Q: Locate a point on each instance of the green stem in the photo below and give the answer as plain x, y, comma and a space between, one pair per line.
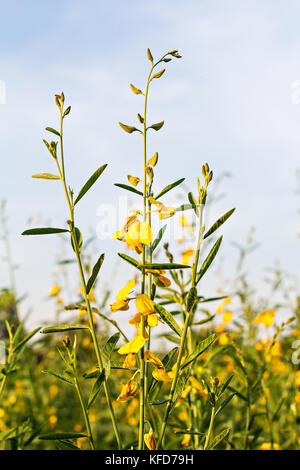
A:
2, 385
84, 411
210, 429
83, 283
185, 330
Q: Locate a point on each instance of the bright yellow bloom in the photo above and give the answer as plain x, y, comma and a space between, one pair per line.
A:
121, 299
161, 375
268, 446
150, 357
297, 397
297, 379
130, 360
2, 412
136, 344
187, 255
128, 391
53, 391
152, 320
52, 420
266, 318
166, 212
227, 316
144, 304
223, 339
186, 439
149, 440
134, 180
54, 291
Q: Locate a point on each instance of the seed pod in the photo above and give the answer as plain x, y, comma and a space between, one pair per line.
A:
191, 298
210, 177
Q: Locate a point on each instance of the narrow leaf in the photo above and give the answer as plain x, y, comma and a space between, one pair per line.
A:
50, 129
169, 187
90, 182
199, 349
95, 273
96, 389
63, 328
53, 436
44, 231
157, 126
25, 340
128, 129
180, 386
158, 238
129, 188
218, 439
218, 223
108, 350
46, 176
65, 445
58, 376
209, 259
129, 260
168, 318
164, 266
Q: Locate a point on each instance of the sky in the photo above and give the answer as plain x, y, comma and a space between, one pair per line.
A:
232, 100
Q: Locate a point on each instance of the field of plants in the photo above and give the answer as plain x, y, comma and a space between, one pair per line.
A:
195, 372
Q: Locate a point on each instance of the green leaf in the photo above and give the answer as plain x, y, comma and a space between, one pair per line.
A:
193, 202
156, 126
53, 436
50, 129
108, 350
79, 240
158, 74
44, 231
168, 318
128, 129
158, 238
219, 222
15, 432
164, 266
169, 187
63, 328
206, 320
90, 182
46, 176
209, 259
25, 340
167, 360
65, 445
96, 389
58, 376
225, 402
180, 386
184, 207
128, 188
218, 439
129, 260
95, 273
171, 338
199, 349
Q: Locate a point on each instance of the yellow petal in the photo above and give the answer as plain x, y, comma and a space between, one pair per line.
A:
144, 304
161, 375
152, 320
153, 160
119, 305
130, 360
149, 440
128, 391
166, 212
134, 180
150, 357
136, 320
145, 233
134, 346
126, 290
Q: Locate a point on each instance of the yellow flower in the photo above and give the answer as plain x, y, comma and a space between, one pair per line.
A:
55, 290
149, 440
12, 400
219, 328
135, 345
2, 412
153, 160
52, 420
130, 360
161, 375
297, 397
121, 299
144, 304
227, 316
268, 446
128, 391
223, 339
150, 357
186, 439
53, 391
166, 212
266, 318
187, 255
297, 378
134, 180
152, 320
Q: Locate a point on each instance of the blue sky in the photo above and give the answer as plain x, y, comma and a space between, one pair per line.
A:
228, 101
